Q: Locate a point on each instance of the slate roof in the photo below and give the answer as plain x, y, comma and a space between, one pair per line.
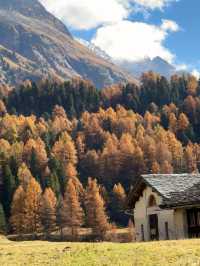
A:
175, 189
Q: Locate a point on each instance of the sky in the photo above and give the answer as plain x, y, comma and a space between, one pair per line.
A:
131, 30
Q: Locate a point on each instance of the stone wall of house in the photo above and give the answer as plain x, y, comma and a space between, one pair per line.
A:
171, 223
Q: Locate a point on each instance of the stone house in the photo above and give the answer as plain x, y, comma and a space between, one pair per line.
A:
166, 207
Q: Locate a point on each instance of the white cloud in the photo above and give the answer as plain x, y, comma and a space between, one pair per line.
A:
87, 14
133, 41
188, 68
152, 4
181, 67
196, 73
169, 25
119, 38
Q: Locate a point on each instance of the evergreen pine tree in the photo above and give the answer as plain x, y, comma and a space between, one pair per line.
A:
9, 183
53, 183
2, 220
34, 165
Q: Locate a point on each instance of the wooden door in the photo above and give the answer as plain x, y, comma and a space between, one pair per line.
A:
193, 217
153, 225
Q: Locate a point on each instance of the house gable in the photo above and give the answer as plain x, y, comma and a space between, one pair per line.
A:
142, 204
148, 206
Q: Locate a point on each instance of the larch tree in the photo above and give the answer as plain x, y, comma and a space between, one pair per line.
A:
95, 209
71, 173
48, 211
64, 150
120, 194
60, 121
117, 205
24, 175
149, 151
90, 164
17, 218
3, 110
33, 195
183, 122
166, 168
155, 168
190, 159
172, 123
36, 148
192, 85
110, 161
72, 214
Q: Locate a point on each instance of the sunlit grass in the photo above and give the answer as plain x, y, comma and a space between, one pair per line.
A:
180, 253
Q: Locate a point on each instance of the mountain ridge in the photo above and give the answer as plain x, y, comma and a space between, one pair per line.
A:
157, 64
136, 68
36, 36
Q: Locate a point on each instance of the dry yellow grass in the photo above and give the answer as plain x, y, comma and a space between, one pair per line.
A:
167, 253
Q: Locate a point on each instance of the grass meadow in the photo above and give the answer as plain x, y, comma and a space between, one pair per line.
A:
182, 253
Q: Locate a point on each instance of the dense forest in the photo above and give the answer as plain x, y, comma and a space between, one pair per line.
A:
69, 153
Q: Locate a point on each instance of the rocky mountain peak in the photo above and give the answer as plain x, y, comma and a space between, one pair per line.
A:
34, 44
26, 7
32, 9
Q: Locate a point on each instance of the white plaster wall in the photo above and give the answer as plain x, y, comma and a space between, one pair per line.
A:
180, 223
141, 213
141, 216
163, 217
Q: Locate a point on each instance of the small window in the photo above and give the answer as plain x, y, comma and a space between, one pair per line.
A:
167, 230
142, 232
198, 218
152, 201
192, 219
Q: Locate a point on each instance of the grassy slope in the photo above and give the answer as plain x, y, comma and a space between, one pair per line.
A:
80, 254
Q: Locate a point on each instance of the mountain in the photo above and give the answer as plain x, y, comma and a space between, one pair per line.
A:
35, 44
156, 64
95, 49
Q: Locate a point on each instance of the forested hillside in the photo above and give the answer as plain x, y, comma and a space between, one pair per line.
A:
69, 149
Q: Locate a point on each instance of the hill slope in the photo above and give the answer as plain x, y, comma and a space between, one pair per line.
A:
33, 43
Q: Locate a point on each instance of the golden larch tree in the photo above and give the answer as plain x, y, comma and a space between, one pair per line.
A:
120, 195
17, 218
183, 122
71, 173
95, 208
33, 196
24, 175
48, 211
64, 150
155, 168
72, 214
